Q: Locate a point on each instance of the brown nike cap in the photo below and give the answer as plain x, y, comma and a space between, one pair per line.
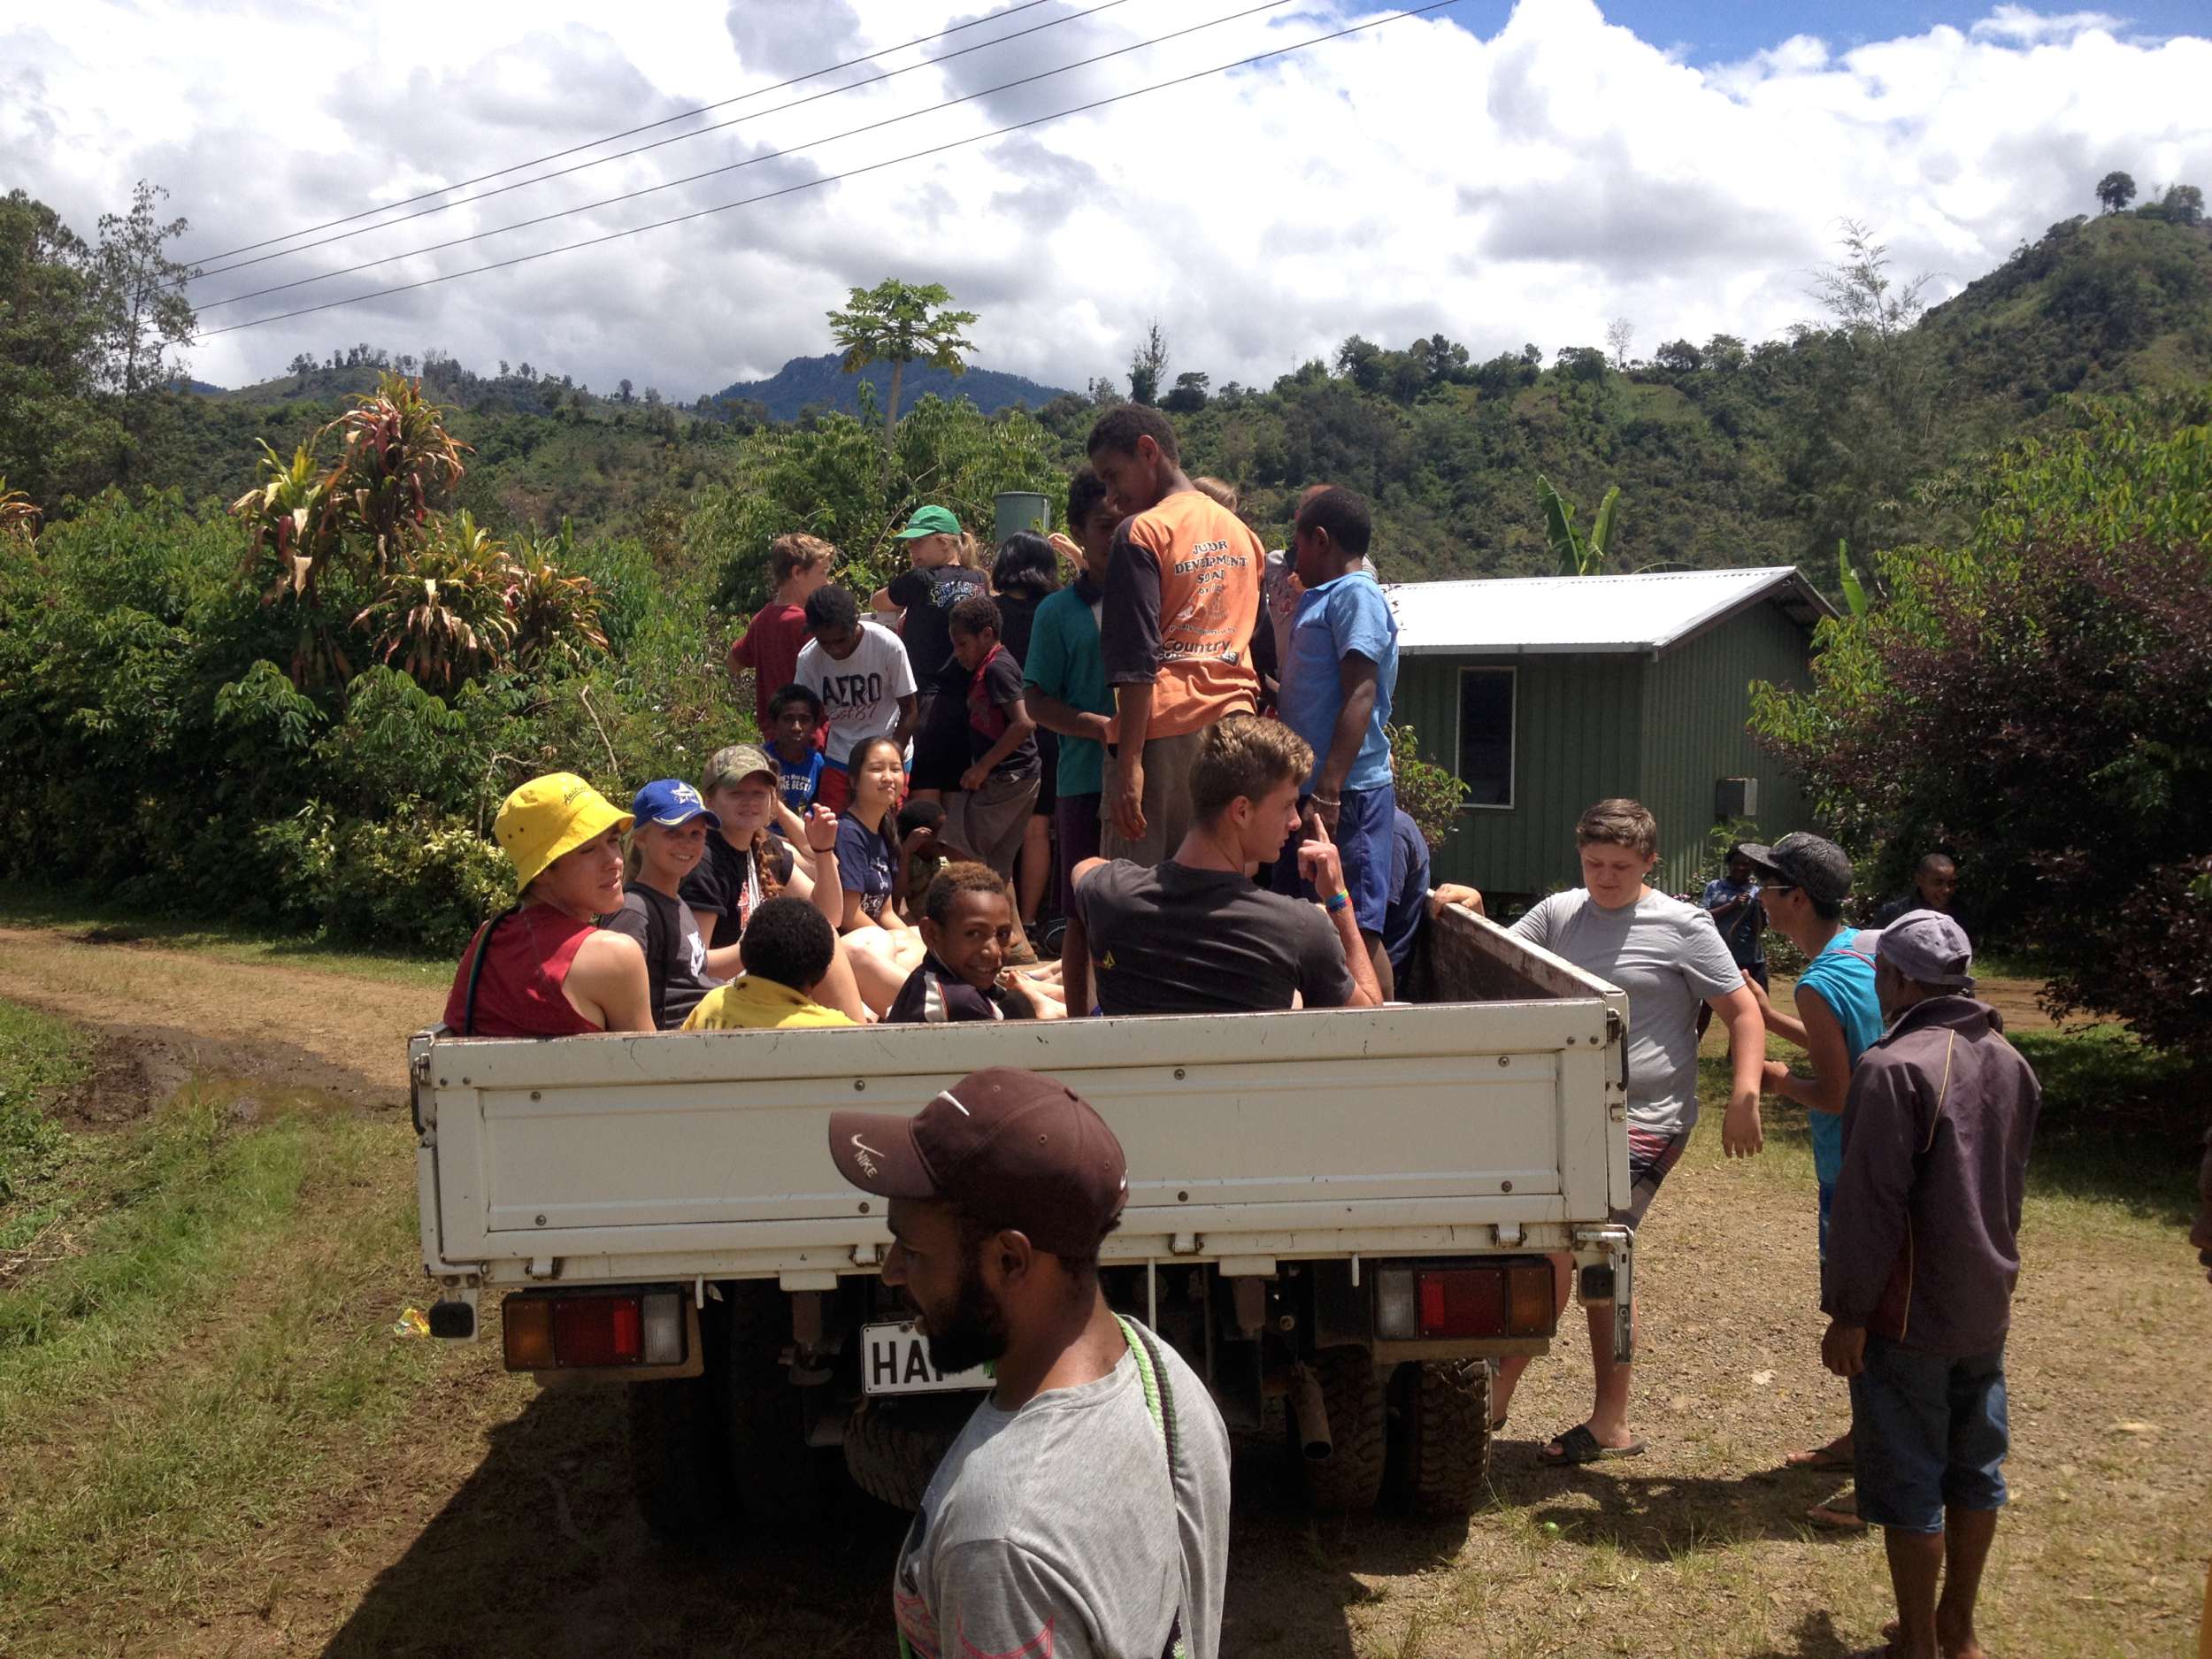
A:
1012, 1149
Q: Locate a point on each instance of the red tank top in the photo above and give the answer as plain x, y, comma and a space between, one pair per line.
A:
518, 993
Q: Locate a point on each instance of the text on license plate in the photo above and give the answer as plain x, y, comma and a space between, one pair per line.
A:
895, 1361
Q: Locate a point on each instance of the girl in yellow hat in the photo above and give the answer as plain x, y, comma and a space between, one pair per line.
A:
546, 968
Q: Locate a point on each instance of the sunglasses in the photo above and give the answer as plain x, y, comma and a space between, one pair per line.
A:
1778, 886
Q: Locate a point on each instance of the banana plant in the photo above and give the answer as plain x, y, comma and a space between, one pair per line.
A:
1847, 577
1577, 556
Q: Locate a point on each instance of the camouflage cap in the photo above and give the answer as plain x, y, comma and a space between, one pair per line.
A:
1818, 865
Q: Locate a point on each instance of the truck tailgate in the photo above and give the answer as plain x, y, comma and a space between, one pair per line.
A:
1261, 1134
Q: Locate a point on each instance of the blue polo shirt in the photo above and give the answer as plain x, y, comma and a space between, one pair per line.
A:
1348, 617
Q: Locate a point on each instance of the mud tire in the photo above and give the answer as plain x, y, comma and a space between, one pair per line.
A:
1440, 1463
1350, 1478
679, 1450
891, 1457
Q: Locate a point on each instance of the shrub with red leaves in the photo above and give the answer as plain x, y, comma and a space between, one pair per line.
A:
2050, 718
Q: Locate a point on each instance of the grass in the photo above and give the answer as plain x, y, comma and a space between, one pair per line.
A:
40, 1059
27, 907
212, 1350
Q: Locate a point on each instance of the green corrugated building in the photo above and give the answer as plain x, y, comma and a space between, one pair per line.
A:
1543, 694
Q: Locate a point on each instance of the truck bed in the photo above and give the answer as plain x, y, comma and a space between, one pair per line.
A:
1488, 1122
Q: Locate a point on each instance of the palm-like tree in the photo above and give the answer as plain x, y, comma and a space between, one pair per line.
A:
442, 608
898, 323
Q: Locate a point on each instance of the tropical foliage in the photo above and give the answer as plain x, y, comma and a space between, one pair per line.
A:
2036, 699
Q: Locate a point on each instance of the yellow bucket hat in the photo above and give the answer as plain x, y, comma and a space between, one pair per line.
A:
549, 816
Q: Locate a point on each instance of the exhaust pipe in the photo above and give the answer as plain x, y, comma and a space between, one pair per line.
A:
1310, 1414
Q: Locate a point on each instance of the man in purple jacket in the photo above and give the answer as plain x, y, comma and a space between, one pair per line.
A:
1922, 1255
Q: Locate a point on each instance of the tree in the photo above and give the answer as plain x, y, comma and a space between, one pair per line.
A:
1679, 357
2038, 696
2181, 204
1619, 335
1148, 366
302, 365
1583, 365
900, 323
1863, 414
145, 314
652, 398
1360, 360
624, 388
56, 433
1188, 396
2115, 191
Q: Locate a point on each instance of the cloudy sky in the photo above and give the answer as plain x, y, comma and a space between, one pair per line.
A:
1499, 173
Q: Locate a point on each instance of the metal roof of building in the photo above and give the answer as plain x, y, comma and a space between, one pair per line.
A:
1533, 615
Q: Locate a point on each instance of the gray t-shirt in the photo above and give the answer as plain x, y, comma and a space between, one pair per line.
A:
1055, 1529
1668, 957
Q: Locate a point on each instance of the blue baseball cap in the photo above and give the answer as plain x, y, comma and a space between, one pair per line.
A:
669, 802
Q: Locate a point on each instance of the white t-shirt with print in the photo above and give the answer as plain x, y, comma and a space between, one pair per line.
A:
861, 693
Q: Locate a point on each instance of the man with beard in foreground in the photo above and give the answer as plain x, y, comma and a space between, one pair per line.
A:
1084, 1510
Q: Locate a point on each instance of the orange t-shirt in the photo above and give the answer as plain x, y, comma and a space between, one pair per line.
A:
1182, 594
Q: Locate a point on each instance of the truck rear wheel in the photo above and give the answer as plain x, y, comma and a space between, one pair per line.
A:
779, 1479
1440, 1461
678, 1452
1351, 1477
890, 1456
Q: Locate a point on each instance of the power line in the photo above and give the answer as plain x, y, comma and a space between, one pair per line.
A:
619, 154
734, 166
854, 172
592, 143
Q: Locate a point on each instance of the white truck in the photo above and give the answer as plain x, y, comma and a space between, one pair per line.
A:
1345, 1212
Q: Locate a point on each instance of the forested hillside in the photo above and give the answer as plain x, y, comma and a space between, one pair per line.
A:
1725, 452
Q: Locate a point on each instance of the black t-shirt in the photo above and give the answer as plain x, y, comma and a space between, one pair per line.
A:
725, 882
933, 994
677, 971
990, 689
927, 598
1171, 940
1017, 617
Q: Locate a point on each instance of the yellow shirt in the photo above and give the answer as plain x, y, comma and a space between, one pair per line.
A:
757, 1004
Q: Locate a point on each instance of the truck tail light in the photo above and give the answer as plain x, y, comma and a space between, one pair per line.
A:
1470, 1300
1531, 1310
1463, 1302
552, 1332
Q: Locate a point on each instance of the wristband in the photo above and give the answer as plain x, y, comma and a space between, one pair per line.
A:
1336, 901
1327, 800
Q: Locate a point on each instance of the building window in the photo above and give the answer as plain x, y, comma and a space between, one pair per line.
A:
1485, 736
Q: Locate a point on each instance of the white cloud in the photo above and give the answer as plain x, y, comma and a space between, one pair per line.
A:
1529, 186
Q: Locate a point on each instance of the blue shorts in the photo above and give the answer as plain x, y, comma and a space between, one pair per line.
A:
1365, 827
1929, 1435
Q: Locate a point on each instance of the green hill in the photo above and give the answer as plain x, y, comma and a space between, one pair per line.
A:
1725, 453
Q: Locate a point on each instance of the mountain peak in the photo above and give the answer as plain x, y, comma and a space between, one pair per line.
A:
822, 382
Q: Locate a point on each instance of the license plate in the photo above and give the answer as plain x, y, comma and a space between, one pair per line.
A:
895, 1361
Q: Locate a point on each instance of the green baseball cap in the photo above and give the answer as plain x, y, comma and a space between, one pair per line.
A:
929, 521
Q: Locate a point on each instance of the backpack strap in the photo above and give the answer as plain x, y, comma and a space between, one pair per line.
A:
476, 969
1159, 1403
656, 958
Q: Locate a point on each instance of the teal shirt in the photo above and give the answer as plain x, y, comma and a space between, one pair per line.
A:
1843, 978
1065, 661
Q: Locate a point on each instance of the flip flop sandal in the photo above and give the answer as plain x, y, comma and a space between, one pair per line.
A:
1839, 1515
1823, 1459
1579, 1446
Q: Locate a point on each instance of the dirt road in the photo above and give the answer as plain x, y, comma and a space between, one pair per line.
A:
499, 1523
